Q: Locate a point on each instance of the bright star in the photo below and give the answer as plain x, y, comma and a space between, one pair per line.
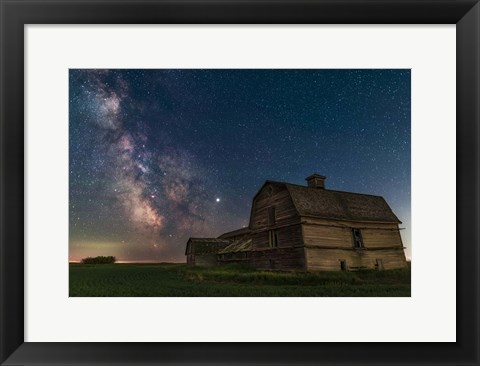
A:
218, 200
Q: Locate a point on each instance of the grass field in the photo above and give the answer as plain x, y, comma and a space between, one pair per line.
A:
180, 280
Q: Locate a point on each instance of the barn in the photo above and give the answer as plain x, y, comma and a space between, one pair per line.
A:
204, 251
311, 228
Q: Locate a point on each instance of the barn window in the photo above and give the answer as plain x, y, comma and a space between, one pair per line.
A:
273, 239
271, 216
343, 265
357, 238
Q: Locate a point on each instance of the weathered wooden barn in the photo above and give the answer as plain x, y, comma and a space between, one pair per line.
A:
312, 228
204, 251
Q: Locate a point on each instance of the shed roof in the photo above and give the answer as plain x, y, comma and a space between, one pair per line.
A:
239, 245
206, 245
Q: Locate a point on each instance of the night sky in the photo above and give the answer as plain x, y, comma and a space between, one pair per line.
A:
158, 156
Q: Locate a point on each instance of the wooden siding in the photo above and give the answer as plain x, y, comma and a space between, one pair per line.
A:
237, 257
272, 195
278, 259
318, 259
206, 260
350, 224
327, 236
330, 233
260, 240
287, 237
328, 242
375, 238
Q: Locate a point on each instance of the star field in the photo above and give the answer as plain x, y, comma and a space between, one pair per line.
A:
158, 156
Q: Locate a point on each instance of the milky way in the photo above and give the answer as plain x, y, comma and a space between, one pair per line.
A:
157, 156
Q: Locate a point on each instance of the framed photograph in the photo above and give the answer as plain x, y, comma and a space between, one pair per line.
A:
239, 182
180, 182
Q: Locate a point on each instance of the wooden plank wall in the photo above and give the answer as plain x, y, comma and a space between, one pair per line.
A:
260, 240
235, 256
328, 242
381, 238
348, 224
339, 234
288, 236
327, 236
279, 259
329, 259
272, 195
206, 260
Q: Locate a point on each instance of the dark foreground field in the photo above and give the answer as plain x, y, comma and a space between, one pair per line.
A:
180, 280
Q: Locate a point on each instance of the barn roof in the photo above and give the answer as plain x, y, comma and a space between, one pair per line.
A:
339, 205
237, 232
239, 245
207, 245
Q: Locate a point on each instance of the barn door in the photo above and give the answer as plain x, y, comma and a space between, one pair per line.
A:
379, 265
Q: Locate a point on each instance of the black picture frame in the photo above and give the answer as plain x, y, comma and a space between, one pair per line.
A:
15, 14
